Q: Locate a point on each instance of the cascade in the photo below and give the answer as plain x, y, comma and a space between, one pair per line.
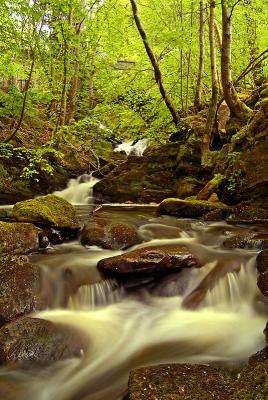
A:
135, 148
150, 325
79, 190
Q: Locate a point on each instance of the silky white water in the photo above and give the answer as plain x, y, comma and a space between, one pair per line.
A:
79, 190
150, 325
136, 149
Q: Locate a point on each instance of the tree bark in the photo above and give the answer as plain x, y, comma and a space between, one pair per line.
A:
201, 68
155, 65
214, 79
237, 107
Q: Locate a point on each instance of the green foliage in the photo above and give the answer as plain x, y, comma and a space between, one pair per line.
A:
234, 181
35, 160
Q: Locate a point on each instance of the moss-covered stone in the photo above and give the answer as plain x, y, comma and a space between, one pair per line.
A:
47, 210
18, 238
210, 187
109, 235
188, 208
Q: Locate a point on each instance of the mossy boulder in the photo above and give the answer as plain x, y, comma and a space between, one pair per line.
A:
46, 210
29, 342
18, 238
20, 288
188, 208
109, 235
179, 382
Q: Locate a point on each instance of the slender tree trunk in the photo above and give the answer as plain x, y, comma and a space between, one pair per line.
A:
237, 107
189, 59
28, 82
155, 65
72, 103
201, 68
214, 79
91, 100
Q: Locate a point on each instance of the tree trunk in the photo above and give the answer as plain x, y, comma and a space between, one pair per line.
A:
155, 65
237, 107
214, 79
201, 68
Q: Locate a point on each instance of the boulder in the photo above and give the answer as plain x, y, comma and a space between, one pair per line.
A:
29, 342
187, 208
46, 210
262, 261
153, 261
145, 179
18, 238
201, 382
109, 235
20, 288
179, 381
263, 283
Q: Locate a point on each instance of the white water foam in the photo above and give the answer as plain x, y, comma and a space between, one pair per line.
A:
79, 190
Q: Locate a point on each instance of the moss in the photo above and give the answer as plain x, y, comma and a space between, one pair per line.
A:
48, 209
18, 238
192, 200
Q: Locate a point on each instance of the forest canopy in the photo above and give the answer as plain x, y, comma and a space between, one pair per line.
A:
77, 64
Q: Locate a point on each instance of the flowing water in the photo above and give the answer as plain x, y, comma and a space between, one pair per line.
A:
79, 190
135, 148
209, 315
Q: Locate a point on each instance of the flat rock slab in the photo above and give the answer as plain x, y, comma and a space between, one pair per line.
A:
179, 382
149, 260
27, 342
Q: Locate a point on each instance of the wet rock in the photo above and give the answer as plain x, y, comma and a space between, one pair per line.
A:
28, 342
252, 379
18, 238
247, 240
244, 213
262, 261
263, 283
215, 215
149, 260
20, 288
187, 208
46, 210
266, 334
179, 381
145, 179
109, 235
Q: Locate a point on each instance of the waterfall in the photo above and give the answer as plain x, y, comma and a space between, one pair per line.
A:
79, 190
130, 147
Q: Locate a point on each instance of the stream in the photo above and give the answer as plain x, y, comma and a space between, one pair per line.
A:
149, 325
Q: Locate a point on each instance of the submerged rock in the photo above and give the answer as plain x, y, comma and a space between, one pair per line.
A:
247, 240
179, 382
20, 288
46, 210
28, 342
151, 260
109, 235
18, 238
188, 208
